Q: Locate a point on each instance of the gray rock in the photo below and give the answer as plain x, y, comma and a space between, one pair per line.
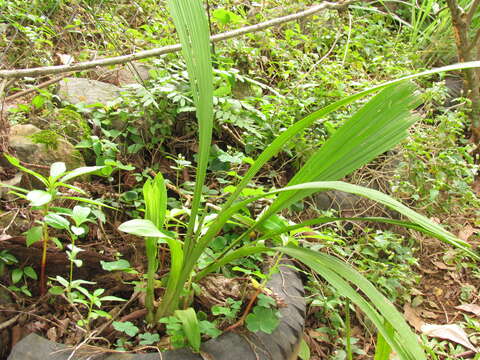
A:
336, 200
43, 147
76, 90
133, 73
455, 90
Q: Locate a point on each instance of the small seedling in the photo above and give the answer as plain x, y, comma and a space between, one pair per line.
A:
43, 201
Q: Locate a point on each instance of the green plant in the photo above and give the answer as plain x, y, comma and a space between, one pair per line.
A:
6, 259
19, 274
377, 126
43, 200
76, 293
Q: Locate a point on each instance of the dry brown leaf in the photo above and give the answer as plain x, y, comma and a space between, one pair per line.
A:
65, 59
428, 314
52, 334
466, 232
412, 317
427, 271
471, 308
450, 332
318, 335
437, 291
4, 237
442, 266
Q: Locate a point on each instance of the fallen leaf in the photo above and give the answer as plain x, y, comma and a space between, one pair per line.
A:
450, 332
65, 59
412, 317
437, 291
415, 292
4, 237
318, 335
471, 308
466, 232
442, 266
427, 271
428, 314
52, 334
433, 305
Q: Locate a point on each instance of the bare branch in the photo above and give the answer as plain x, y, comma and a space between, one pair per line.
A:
471, 11
46, 70
35, 88
474, 41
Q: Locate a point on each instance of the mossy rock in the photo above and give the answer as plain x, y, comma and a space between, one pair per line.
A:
65, 122
43, 147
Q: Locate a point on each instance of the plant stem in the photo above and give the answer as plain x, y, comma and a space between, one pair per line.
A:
348, 330
43, 264
151, 248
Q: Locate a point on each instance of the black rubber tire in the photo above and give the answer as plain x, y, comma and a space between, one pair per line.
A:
282, 344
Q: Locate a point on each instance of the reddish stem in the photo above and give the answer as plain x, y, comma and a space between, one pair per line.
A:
43, 264
246, 312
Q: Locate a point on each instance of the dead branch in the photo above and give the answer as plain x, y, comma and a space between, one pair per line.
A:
48, 70
35, 88
471, 11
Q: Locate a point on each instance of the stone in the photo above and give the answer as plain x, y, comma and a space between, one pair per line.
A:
455, 89
43, 147
66, 122
337, 200
133, 73
76, 90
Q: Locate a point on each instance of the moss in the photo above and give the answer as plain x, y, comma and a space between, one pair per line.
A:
73, 121
47, 137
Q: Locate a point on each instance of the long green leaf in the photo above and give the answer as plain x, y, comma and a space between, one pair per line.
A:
418, 219
378, 309
377, 127
155, 196
383, 349
191, 327
242, 252
193, 30
15, 162
79, 172
327, 220
277, 145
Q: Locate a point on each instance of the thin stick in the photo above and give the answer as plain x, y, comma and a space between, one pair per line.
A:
45, 70
246, 312
35, 88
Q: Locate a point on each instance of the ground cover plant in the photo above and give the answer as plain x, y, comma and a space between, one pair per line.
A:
202, 238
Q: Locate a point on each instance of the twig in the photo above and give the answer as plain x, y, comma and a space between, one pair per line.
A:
35, 88
9, 322
5, 229
474, 41
466, 354
45, 70
234, 136
471, 11
246, 312
112, 319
